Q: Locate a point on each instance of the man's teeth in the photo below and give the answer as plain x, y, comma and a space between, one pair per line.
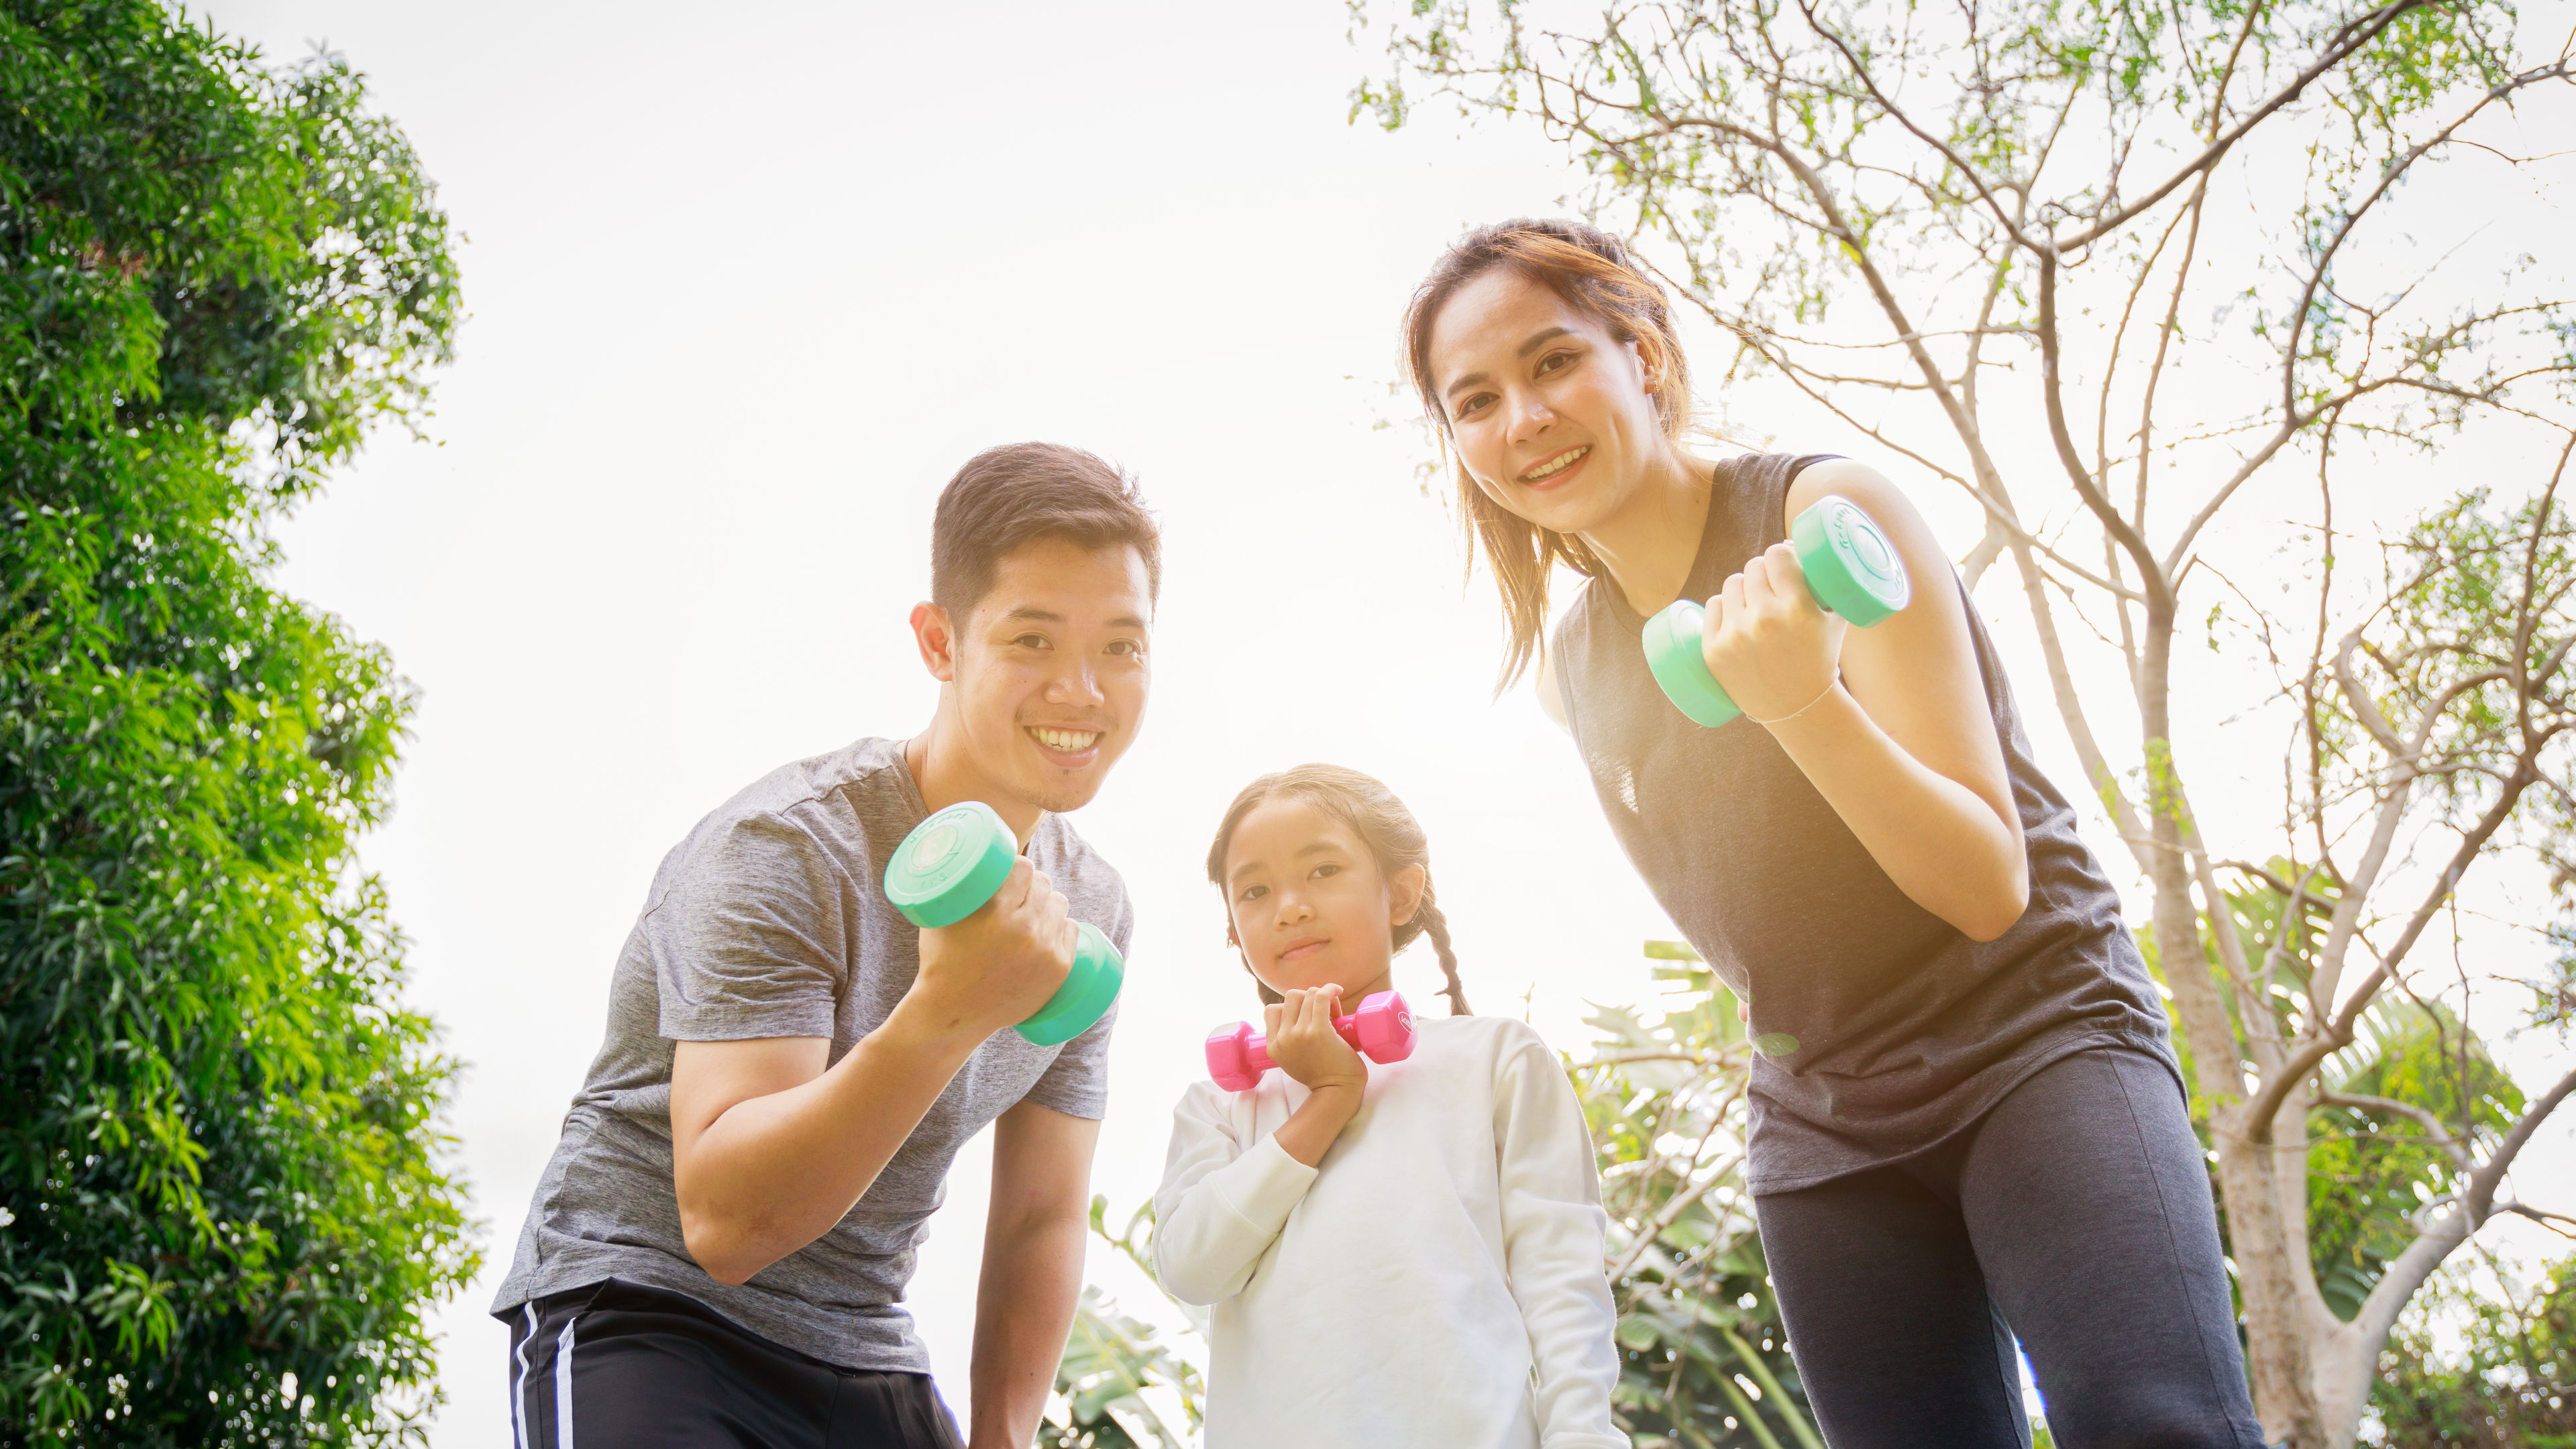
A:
1557, 466
1072, 742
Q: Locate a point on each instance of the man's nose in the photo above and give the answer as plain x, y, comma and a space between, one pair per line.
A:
1076, 683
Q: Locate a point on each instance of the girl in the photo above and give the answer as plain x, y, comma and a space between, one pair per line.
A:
1967, 1122
1405, 1254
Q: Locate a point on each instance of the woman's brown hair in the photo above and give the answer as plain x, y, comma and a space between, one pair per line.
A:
1590, 269
1391, 835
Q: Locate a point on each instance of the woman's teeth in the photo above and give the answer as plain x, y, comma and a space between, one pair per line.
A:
1556, 465
1071, 742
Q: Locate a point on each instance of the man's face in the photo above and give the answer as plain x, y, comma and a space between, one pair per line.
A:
1051, 668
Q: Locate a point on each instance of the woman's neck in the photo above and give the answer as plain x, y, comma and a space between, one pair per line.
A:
1649, 545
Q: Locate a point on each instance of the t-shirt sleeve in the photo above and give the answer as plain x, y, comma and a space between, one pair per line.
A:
1076, 1083
750, 940
1553, 1228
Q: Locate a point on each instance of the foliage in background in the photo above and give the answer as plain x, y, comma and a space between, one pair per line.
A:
223, 1213
2180, 299
2488, 1366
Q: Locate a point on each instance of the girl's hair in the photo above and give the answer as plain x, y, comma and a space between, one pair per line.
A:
1591, 270
1392, 836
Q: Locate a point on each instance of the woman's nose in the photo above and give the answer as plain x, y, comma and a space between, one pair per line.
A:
1530, 417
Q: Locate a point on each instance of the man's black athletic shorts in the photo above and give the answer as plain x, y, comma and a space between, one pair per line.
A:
617, 1365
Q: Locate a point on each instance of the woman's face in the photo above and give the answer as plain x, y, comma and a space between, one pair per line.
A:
1308, 903
1552, 416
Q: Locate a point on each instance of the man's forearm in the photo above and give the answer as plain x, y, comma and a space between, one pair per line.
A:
776, 1171
1032, 1277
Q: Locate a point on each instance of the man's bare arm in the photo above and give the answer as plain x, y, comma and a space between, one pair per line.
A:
769, 1150
1034, 1238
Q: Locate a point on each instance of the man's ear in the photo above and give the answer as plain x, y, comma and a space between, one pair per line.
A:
937, 638
1404, 893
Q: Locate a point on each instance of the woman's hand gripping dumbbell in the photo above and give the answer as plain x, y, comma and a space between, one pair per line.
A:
1381, 1030
1851, 569
951, 864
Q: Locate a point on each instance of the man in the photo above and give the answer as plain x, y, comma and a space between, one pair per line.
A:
717, 1250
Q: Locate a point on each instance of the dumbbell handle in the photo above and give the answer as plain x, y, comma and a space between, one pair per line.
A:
1256, 1050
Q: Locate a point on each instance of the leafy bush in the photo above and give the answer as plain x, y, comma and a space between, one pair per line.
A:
222, 1212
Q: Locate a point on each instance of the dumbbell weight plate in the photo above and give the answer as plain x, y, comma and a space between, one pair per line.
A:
1851, 566
1086, 993
950, 864
1673, 657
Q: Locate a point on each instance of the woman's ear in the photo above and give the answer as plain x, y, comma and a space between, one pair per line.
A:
1404, 893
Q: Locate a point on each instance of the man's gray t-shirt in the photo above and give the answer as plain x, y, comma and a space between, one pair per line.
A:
770, 920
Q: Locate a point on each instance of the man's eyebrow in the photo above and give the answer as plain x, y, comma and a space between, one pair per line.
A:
1031, 611
1537, 340
1127, 621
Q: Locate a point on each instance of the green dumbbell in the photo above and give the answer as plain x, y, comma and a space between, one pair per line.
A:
1852, 570
951, 864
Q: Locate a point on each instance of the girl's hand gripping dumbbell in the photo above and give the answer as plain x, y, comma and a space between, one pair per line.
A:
1381, 1030
1851, 569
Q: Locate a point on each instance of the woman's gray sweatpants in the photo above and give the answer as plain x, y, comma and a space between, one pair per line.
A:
2075, 1216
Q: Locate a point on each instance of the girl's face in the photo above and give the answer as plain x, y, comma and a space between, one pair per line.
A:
1308, 903
1553, 417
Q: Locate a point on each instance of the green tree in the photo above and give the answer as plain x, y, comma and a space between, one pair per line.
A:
2504, 1377
2203, 261
223, 1211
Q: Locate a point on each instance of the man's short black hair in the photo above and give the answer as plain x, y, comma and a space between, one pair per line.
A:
1005, 497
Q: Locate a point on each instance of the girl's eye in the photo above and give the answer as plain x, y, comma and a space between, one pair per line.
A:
1325, 870
1254, 893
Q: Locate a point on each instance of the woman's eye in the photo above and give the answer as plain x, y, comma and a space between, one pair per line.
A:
1555, 362
1475, 404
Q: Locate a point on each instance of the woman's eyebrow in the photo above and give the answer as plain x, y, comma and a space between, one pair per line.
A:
1537, 340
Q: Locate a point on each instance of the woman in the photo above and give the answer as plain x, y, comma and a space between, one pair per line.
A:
1967, 1122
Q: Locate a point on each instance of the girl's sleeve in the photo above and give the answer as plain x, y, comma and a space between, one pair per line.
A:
1553, 1228
1221, 1204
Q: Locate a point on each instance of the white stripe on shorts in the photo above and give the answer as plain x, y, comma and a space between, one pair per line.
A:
563, 1385
519, 1386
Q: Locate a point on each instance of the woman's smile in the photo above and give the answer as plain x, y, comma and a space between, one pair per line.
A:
1556, 468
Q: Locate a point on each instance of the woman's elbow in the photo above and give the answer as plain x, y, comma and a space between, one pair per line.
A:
1998, 907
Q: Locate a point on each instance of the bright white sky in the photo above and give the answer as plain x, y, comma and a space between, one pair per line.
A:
743, 297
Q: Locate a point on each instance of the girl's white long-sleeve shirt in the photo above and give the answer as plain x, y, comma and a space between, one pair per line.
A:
1436, 1280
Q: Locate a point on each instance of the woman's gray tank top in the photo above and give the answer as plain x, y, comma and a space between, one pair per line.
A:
1879, 1028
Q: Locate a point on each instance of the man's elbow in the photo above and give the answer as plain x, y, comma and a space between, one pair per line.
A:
720, 1248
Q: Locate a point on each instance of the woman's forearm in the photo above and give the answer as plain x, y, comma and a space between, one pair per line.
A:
1943, 844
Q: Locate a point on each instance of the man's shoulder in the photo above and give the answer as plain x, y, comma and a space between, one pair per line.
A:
833, 807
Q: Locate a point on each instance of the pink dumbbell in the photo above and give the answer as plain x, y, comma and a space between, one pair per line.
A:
1381, 1030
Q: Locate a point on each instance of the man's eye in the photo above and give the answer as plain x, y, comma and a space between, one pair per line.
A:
1031, 641
1124, 647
